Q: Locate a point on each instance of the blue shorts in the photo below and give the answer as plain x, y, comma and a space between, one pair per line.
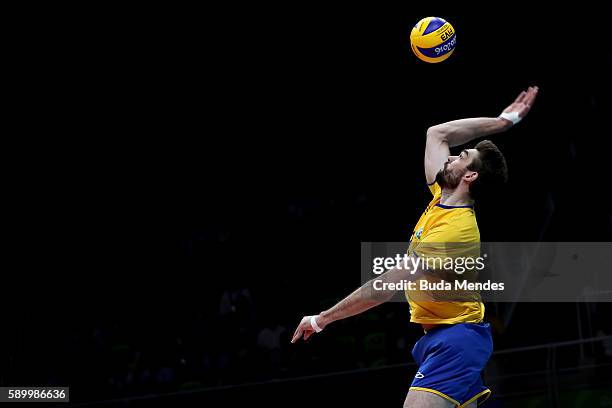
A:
450, 360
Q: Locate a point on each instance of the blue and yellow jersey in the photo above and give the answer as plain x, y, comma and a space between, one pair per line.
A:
445, 224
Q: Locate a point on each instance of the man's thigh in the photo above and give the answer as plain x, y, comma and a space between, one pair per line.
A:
424, 399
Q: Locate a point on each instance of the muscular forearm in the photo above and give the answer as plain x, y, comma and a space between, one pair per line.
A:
458, 132
367, 297
357, 302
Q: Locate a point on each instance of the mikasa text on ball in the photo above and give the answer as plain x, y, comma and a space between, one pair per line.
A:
433, 39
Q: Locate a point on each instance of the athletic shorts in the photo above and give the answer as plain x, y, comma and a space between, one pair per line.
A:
451, 359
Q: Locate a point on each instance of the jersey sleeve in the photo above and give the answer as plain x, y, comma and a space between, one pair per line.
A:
435, 189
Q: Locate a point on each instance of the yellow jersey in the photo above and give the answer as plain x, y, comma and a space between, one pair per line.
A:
444, 224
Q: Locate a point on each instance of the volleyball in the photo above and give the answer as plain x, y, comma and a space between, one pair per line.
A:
433, 39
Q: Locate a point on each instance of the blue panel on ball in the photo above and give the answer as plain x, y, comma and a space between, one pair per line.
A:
444, 48
434, 24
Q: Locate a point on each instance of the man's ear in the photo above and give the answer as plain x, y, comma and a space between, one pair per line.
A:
470, 176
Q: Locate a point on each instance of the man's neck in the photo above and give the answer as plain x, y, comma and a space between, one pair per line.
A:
456, 197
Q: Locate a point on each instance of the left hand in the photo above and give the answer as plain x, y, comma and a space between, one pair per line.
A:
305, 329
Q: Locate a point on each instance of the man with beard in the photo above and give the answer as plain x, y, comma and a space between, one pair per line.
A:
457, 343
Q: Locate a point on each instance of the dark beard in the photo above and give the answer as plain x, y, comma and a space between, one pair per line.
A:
445, 179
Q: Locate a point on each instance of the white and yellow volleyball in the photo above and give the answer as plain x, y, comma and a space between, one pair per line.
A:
433, 39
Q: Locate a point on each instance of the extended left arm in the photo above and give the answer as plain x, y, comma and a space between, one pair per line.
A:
362, 299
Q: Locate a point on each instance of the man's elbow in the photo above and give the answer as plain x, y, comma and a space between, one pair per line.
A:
437, 132
377, 292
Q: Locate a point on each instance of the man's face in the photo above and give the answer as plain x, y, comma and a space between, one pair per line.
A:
455, 168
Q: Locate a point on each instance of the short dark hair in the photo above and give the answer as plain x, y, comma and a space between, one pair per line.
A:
491, 168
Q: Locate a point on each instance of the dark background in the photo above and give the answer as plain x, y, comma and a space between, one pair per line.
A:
191, 177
